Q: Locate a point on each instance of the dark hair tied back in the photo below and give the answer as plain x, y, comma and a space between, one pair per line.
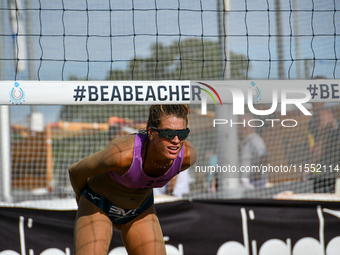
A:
157, 112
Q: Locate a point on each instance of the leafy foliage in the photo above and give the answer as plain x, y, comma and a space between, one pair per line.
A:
190, 59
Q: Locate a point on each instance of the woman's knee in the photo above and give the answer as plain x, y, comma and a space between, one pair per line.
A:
143, 235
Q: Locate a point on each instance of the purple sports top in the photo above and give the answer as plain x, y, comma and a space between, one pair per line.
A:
135, 176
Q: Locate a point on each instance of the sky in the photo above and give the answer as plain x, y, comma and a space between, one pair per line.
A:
319, 39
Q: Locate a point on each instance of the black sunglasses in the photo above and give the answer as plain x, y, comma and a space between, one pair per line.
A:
172, 133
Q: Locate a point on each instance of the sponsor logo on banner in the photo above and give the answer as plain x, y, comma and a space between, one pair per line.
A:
204, 100
256, 95
17, 95
250, 228
305, 245
122, 92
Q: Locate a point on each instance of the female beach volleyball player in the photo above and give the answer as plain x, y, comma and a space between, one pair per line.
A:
114, 186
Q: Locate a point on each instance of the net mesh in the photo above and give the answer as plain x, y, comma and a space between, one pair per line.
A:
157, 40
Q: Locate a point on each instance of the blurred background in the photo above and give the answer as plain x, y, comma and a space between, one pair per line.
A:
156, 40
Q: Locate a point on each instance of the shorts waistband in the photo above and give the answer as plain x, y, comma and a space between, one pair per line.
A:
116, 214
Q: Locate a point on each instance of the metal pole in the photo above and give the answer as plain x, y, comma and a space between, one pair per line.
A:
226, 136
279, 41
2, 41
222, 38
30, 41
4, 127
5, 153
297, 39
30, 46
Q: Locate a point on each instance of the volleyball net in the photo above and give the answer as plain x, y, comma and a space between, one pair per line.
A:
259, 45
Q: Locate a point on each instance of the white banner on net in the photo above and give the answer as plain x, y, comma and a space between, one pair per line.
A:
221, 92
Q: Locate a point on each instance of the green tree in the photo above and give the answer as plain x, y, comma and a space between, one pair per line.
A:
191, 59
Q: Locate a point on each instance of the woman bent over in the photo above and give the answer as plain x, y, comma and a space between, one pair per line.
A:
114, 186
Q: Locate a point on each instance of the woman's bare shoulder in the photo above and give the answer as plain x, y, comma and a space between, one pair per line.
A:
119, 152
123, 140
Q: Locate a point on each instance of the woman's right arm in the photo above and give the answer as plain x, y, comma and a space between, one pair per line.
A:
115, 157
81, 171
